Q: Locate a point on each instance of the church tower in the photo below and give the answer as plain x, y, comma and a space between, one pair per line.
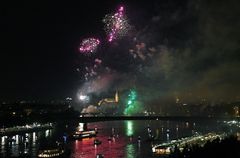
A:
116, 97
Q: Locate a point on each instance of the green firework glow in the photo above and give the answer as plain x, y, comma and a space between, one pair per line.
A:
132, 104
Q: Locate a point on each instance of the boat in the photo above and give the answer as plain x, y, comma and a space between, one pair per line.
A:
162, 150
51, 149
139, 139
84, 134
99, 156
97, 142
109, 138
53, 152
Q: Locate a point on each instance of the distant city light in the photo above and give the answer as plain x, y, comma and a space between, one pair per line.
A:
83, 98
68, 98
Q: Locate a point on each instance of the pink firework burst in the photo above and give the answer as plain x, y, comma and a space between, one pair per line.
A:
89, 45
116, 25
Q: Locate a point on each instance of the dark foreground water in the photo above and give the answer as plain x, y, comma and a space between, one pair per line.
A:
125, 144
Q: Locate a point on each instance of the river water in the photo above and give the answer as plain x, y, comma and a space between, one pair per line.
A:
125, 144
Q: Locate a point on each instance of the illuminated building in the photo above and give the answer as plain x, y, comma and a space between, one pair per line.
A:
236, 111
109, 100
177, 100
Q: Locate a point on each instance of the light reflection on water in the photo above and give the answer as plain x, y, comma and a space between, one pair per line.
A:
129, 128
130, 150
120, 146
124, 147
26, 143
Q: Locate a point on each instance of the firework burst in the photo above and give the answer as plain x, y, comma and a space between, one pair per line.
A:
116, 25
89, 45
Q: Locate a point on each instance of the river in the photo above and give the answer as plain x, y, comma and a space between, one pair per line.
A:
130, 141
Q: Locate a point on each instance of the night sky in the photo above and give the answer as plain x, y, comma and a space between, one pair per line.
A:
174, 49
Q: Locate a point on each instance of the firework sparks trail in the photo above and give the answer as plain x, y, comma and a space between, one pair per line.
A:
89, 45
116, 25
92, 71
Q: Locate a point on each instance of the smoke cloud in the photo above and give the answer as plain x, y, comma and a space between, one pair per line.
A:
187, 50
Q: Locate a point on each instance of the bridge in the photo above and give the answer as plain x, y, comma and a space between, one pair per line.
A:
24, 129
99, 118
162, 118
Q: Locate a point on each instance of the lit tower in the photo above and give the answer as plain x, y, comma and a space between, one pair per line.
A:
110, 100
116, 97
